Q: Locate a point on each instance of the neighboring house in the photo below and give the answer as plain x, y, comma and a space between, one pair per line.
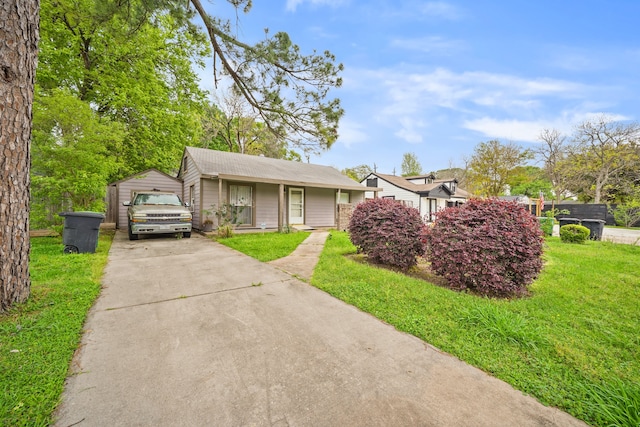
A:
265, 192
121, 191
424, 192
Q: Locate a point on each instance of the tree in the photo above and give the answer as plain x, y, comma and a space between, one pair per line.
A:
529, 181
269, 71
232, 126
628, 213
72, 159
18, 55
265, 74
133, 67
410, 165
493, 165
603, 151
553, 153
358, 173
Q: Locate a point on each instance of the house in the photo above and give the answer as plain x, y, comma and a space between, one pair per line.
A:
424, 192
121, 191
264, 192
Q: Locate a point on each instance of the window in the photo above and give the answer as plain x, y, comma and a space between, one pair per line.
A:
184, 164
241, 201
372, 182
345, 198
389, 197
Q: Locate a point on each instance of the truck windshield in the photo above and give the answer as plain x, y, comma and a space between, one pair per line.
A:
157, 199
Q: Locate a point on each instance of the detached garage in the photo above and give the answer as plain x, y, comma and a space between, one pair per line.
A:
122, 191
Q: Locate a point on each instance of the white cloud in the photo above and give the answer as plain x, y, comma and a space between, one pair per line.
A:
522, 130
292, 5
410, 130
510, 130
496, 105
351, 132
440, 9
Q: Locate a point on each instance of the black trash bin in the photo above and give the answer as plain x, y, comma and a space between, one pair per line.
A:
567, 221
595, 226
80, 234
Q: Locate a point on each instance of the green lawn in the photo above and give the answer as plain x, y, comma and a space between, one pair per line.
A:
574, 343
265, 246
38, 338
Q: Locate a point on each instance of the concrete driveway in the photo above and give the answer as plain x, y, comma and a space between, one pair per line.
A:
190, 333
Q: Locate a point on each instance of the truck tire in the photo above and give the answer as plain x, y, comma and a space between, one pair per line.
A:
131, 235
186, 234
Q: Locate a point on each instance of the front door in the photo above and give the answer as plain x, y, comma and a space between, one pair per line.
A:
296, 206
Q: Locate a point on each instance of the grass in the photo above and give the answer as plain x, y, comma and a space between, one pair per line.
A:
265, 246
38, 338
572, 344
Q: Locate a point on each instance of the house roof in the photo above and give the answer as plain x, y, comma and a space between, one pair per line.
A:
248, 168
143, 174
437, 186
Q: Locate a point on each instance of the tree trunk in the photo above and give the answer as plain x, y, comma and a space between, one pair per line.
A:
19, 20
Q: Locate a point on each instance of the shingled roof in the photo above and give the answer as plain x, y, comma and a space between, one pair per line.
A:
248, 168
423, 189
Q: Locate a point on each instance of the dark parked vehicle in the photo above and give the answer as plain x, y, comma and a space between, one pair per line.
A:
157, 212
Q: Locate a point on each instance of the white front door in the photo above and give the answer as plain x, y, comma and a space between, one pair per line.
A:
296, 206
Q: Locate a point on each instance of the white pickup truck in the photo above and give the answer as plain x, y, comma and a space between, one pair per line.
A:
157, 212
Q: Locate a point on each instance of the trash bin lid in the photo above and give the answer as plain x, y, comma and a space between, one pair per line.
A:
83, 214
593, 220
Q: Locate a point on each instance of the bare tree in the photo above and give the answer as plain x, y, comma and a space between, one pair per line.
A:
553, 154
19, 20
603, 150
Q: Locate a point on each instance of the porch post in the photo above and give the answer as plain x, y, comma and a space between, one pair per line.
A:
280, 207
219, 197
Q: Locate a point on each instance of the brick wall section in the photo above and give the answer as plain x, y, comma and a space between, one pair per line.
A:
344, 216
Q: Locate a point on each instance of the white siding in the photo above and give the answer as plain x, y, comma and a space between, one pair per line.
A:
320, 207
143, 182
390, 190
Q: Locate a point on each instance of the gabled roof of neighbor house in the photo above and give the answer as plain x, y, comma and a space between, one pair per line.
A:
248, 168
437, 186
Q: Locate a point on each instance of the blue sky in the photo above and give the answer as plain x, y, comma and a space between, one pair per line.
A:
436, 78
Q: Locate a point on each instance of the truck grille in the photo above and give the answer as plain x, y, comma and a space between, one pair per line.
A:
163, 218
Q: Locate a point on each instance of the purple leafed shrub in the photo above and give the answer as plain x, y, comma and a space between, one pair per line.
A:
490, 246
388, 232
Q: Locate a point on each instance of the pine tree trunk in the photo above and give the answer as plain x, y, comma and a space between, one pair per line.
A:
19, 23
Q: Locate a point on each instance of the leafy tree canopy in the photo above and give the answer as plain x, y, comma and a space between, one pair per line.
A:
493, 164
410, 165
287, 89
358, 173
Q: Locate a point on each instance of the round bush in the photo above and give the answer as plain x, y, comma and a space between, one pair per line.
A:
490, 246
574, 233
388, 232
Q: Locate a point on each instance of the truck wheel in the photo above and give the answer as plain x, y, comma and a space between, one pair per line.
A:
131, 235
186, 234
